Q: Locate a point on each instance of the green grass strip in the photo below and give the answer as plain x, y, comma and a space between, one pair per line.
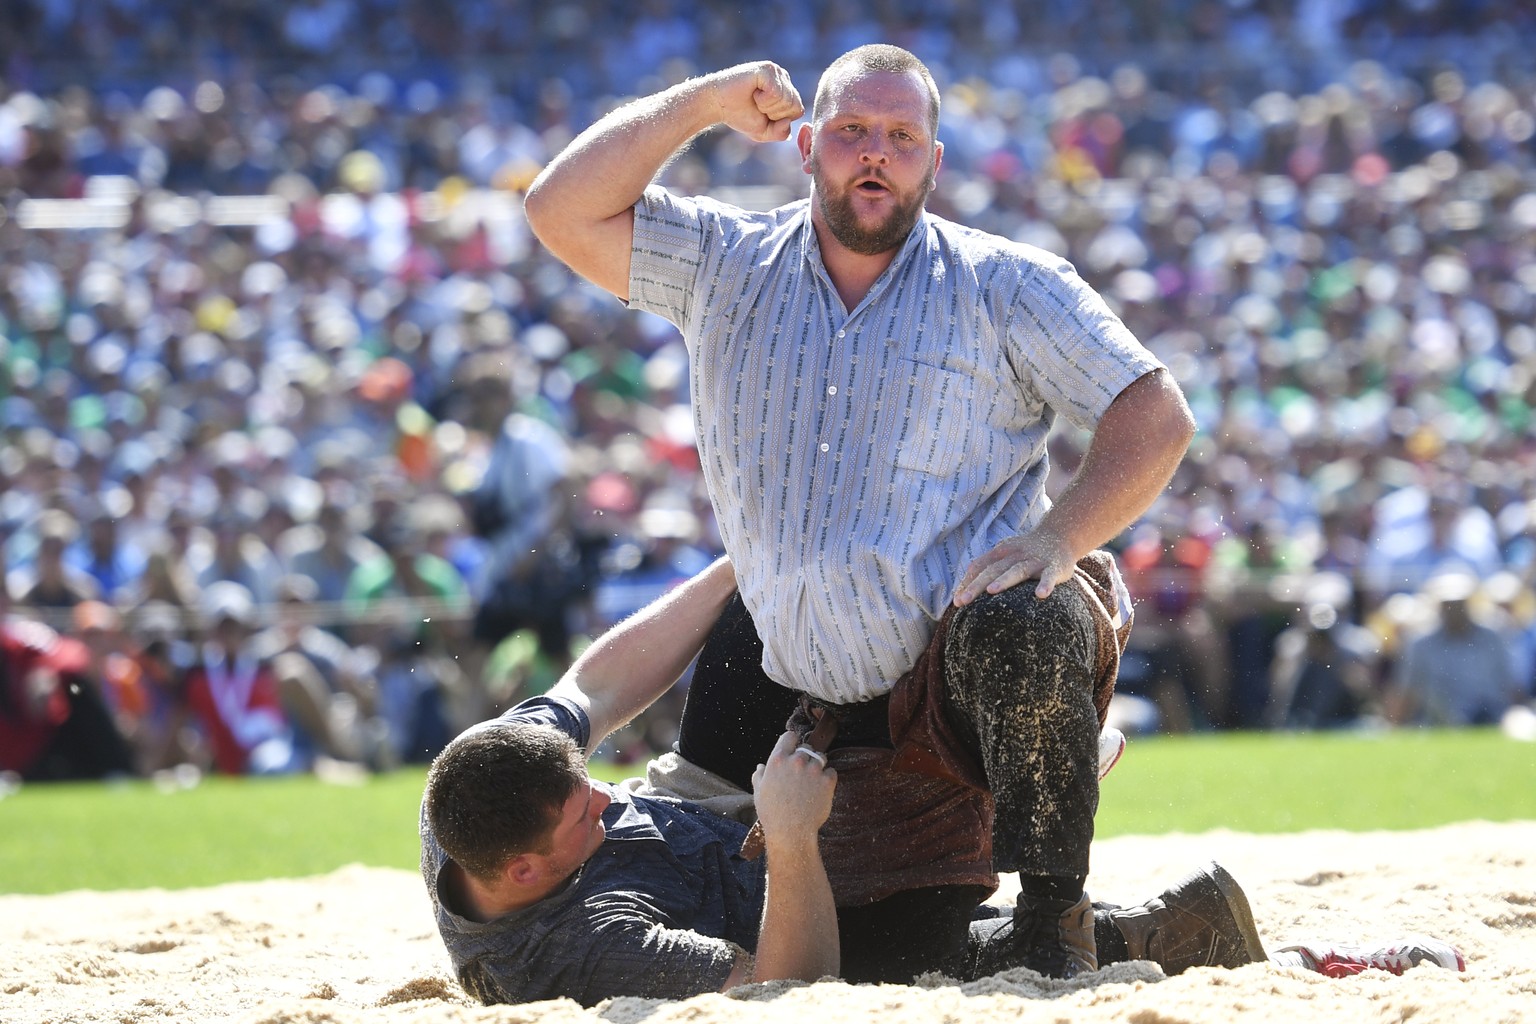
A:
1265, 782
60, 837
132, 836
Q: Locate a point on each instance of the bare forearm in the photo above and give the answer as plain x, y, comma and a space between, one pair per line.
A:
582, 205
799, 934
635, 662
1133, 455
794, 791
1136, 448
603, 172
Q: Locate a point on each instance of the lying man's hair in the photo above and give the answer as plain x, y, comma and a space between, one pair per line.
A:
497, 790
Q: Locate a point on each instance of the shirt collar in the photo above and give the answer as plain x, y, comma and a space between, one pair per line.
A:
624, 820
810, 248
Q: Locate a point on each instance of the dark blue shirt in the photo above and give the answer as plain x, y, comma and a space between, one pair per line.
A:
662, 910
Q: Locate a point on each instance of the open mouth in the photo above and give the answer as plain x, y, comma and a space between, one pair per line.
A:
872, 187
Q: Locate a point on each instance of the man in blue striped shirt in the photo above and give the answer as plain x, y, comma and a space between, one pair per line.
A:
873, 388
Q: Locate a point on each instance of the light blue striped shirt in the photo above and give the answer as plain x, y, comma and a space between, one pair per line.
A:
859, 460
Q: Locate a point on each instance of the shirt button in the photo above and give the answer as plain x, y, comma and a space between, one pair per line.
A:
832, 390
825, 446
842, 334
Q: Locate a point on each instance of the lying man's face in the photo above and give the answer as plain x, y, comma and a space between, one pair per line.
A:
578, 831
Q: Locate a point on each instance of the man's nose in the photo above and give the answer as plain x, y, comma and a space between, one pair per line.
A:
876, 150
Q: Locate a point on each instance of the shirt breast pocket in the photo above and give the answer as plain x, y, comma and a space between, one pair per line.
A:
937, 418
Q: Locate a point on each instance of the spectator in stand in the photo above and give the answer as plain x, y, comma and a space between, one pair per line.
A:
1421, 534
114, 565
166, 579
108, 669
533, 570
230, 551
1176, 650
1458, 673
329, 685
54, 725
1513, 614
329, 550
410, 606
234, 696
1342, 548
1255, 614
163, 735
51, 582
1323, 675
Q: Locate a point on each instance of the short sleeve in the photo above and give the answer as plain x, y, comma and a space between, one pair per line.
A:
611, 955
565, 715
1070, 347
668, 252
630, 957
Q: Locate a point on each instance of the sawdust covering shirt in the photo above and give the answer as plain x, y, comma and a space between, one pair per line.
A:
859, 460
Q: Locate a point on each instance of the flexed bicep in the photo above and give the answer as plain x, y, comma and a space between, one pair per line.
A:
581, 205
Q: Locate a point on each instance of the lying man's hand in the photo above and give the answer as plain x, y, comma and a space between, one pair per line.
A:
793, 791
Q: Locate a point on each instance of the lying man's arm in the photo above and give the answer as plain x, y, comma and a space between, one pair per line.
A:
630, 666
799, 934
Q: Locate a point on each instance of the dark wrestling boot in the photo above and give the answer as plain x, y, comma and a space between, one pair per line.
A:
1203, 921
1050, 937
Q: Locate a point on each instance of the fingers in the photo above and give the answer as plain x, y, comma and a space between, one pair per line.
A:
793, 789
776, 96
786, 742
815, 755
788, 747
777, 131
996, 577
1052, 577
758, 100
777, 107
1020, 572
991, 577
789, 757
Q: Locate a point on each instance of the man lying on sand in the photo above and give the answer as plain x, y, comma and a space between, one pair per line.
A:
546, 883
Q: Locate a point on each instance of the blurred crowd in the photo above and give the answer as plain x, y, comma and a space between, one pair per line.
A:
309, 456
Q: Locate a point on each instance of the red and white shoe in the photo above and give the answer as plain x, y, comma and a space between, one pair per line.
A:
1345, 961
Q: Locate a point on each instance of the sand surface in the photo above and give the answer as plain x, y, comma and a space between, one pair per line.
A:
358, 945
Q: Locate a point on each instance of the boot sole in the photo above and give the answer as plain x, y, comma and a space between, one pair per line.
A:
1237, 903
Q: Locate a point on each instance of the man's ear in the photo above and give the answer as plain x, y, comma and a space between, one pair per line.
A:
803, 140
525, 869
938, 161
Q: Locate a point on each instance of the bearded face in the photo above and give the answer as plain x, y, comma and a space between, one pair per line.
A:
867, 213
872, 158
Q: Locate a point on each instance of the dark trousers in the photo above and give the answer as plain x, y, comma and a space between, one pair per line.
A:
944, 929
1019, 689
733, 713
1018, 685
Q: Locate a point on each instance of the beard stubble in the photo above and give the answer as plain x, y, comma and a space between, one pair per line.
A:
837, 208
